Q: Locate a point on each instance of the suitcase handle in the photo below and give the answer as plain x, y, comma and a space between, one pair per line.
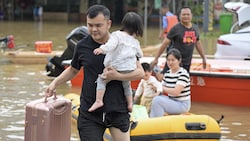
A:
61, 107
46, 97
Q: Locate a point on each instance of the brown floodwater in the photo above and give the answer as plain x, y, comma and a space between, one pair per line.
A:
20, 84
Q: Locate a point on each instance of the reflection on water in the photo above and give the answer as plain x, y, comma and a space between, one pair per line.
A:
21, 84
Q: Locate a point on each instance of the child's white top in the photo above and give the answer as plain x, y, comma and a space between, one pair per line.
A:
145, 87
121, 51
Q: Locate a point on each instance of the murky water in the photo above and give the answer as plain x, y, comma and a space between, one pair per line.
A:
26, 33
20, 84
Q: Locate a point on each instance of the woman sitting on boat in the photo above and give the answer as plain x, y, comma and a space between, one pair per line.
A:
176, 97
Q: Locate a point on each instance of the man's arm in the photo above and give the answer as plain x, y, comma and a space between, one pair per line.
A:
161, 35
162, 48
164, 26
66, 75
112, 74
201, 52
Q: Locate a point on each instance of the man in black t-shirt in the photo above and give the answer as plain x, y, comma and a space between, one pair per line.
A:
114, 114
184, 36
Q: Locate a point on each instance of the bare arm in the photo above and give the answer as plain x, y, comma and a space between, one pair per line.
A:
201, 52
112, 74
173, 91
66, 75
161, 34
162, 48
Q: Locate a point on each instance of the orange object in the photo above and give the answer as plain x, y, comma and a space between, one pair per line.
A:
43, 46
220, 88
134, 84
172, 21
77, 81
11, 43
199, 67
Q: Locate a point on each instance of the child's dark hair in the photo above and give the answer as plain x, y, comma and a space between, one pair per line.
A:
146, 67
94, 10
175, 52
132, 23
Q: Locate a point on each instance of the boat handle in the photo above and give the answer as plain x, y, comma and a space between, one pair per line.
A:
195, 126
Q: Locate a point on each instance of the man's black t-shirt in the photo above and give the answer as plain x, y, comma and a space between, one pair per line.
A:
184, 39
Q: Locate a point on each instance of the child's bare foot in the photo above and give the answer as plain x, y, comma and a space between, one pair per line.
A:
95, 106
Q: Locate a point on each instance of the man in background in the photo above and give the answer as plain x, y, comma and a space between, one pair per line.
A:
168, 21
184, 36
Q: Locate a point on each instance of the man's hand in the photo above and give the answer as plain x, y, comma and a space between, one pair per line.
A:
109, 73
204, 62
154, 62
50, 91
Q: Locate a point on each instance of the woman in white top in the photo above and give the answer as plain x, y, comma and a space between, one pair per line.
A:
176, 97
122, 51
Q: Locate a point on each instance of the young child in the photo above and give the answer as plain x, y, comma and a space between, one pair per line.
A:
148, 88
122, 51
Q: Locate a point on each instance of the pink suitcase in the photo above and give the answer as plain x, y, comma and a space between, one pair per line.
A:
48, 121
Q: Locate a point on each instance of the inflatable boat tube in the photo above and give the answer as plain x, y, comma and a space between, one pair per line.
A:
190, 127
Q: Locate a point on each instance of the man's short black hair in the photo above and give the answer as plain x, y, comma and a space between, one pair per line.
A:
95, 10
184, 7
